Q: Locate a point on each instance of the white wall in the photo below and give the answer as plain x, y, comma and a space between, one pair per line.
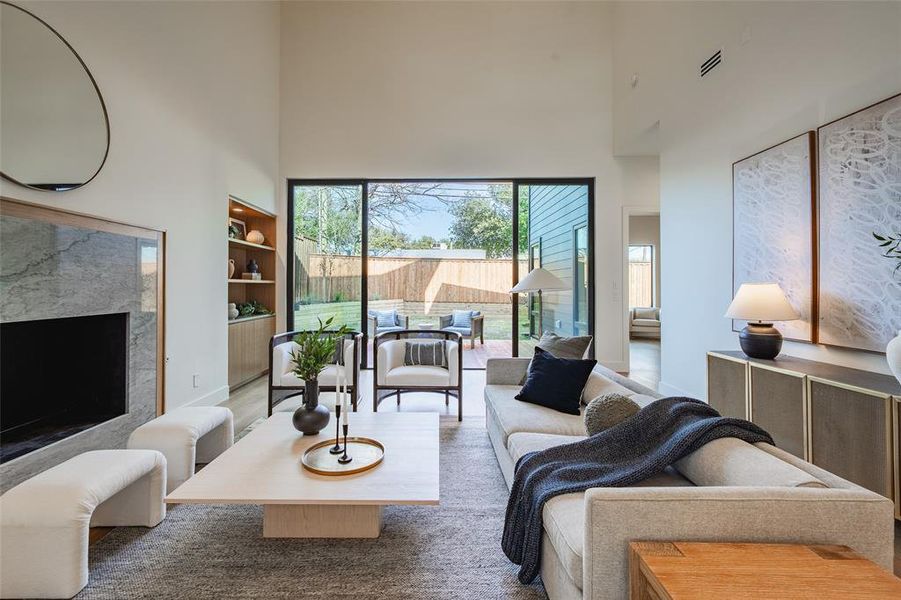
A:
645, 229
788, 67
192, 94
461, 90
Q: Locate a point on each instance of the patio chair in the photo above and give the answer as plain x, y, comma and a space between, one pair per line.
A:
283, 383
391, 376
475, 330
373, 328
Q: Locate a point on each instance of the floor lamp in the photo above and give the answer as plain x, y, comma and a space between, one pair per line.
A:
538, 280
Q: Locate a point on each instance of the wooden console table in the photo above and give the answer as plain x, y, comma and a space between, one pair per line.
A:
725, 571
846, 421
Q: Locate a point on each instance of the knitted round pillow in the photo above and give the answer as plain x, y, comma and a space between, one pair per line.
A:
607, 410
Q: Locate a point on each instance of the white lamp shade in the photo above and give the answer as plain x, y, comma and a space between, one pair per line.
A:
539, 280
764, 302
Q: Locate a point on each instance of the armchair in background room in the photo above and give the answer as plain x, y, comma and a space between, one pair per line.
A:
644, 322
468, 323
381, 321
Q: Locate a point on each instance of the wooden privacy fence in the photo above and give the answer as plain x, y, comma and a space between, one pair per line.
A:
641, 284
323, 277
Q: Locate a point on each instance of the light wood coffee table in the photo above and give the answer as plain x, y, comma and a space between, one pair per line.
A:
265, 468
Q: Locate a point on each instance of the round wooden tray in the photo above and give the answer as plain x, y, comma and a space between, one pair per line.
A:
367, 453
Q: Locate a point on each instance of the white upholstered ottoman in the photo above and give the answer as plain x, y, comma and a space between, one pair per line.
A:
44, 521
186, 436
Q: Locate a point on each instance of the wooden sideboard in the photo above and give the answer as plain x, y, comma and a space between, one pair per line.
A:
846, 421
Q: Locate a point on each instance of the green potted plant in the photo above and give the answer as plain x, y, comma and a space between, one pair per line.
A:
315, 349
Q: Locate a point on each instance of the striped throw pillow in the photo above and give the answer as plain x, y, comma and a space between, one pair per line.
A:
432, 354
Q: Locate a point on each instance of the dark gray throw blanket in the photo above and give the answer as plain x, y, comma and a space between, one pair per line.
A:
631, 451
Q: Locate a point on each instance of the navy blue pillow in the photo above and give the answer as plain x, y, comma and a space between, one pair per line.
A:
556, 382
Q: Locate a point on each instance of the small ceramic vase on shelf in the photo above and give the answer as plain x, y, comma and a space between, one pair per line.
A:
253, 267
893, 356
255, 237
232, 311
231, 268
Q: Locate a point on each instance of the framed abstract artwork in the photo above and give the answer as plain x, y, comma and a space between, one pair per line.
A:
773, 202
860, 194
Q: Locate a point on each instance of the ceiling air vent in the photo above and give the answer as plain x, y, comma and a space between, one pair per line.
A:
712, 62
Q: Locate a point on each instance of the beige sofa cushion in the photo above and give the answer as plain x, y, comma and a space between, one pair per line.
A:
645, 313
522, 443
598, 385
513, 415
645, 322
564, 521
734, 463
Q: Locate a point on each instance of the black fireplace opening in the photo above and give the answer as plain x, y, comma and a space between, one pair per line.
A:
59, 377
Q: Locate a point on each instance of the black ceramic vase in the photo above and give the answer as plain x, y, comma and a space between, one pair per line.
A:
311, 418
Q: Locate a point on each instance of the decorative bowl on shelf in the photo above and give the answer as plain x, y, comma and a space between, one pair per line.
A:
255, 237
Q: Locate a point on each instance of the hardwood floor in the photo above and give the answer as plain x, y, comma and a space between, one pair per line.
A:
248, 403
644, 361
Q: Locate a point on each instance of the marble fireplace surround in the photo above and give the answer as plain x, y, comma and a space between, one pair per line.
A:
57, 264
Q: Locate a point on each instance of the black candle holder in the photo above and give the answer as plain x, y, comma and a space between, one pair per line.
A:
344, 458
336, 449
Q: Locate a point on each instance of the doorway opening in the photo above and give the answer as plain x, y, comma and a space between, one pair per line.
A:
643, 255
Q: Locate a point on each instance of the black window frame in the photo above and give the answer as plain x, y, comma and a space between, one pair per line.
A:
516, 182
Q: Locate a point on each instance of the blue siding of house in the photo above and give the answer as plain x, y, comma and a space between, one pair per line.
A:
555, 212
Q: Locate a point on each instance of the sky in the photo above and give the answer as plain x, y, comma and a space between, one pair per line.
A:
435, 220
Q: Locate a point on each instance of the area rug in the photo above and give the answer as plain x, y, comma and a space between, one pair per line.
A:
446, 551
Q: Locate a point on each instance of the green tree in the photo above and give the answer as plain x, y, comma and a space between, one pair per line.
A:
486, 222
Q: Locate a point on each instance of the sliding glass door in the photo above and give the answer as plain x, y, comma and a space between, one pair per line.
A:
557, 216
326, 234
427, 252
438, 249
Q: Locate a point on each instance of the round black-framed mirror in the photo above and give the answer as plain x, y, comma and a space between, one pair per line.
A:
56, 131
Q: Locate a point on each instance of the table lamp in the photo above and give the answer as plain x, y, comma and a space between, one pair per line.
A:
761, 304
537, 280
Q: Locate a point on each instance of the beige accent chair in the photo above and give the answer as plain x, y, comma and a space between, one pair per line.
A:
644, 323
283, 383
726, 491
391, 376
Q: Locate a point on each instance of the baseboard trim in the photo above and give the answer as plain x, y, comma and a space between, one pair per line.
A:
217, 396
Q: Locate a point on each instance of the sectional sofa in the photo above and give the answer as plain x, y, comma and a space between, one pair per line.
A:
726, 491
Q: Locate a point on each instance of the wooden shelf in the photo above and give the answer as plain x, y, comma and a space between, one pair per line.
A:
245, 244
250, 318
248, 340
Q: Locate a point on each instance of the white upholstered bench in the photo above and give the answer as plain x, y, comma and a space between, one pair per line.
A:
186, 436
44, 521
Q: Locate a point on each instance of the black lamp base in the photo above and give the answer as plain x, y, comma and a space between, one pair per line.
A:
760, 340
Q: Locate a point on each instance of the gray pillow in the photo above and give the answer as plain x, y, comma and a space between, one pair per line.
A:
432, 354
561, 347
564, 347
606, 411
